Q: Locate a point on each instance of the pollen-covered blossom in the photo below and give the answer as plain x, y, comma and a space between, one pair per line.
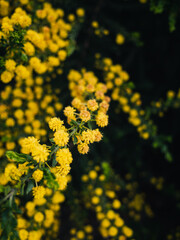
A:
101, 119
10, 65
83, 148
88, 136
12, 172
98, 135
61, 138
40, 153
85, 115
64, 156
92, 105
37, 175
62, 181
69, 112
56, 124
29, 143
77, 103
38, 192
62, 170
104, 106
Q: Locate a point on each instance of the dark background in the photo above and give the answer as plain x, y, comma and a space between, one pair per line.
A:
152, 60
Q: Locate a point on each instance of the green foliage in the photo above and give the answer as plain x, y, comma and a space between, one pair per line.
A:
172, 7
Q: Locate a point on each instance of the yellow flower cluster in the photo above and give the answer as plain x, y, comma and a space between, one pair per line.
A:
32, 97
42, 216
63, 154
99, 196
85, 233
89, 104
99, 30
117, 81
161, 106
39, 152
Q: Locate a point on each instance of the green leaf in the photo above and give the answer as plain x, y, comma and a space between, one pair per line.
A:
168, 157
29, 186
75, 140
19, 157
54, 162
8, 224
106, 169
73, 122
15, 157
71, 48
51, 181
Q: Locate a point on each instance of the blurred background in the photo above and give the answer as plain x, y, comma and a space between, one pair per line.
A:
147, 170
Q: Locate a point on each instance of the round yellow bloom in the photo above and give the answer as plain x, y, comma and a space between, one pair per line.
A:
110, 194
119, 222
29, 49
10, 65
19, 114
10, 122
62, 170
61, 138
40, 153
80, 12
83, 148
39, 217
34, 235
85, 115
3, 179
105, 223
84, 178
170, 94
98, 135
127, 231
6, 77
80, 235
30, 206
76, 102
93, 174
62, 54
92, 105
102, 119
37, 175
24, 2
95, 200
22, 72
113, 231
88, 136
62, 181
98, 191
29, 143
102, 177
38, 192
58, 197
23, 234
120, 39
111, 214
64, 156
56, 124
95, 24
116, 204
88, 228
10, 145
